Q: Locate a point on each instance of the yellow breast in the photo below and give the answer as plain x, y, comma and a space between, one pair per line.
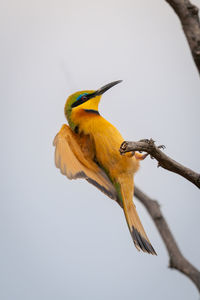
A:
107, 141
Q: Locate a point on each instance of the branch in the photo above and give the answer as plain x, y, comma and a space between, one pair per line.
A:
163, 160
177, 260
188, 15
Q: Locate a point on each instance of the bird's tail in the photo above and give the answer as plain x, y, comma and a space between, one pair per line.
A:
138, 234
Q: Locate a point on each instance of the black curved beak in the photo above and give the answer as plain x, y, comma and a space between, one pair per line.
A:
106, 87
99, 92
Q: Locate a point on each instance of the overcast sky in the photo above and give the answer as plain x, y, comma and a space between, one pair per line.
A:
63, 239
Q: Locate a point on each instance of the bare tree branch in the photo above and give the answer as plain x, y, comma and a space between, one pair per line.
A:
163, 160
177, 260
188, 16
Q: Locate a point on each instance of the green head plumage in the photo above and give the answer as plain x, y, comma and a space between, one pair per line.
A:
87, 99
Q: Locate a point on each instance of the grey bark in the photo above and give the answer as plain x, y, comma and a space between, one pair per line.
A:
176, 259
163, 160
189, 18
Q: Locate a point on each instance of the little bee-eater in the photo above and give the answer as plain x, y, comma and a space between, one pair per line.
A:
89, 148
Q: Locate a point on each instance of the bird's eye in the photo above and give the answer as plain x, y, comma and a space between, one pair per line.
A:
84, 97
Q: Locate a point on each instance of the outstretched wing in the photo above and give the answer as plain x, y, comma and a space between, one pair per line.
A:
74, 157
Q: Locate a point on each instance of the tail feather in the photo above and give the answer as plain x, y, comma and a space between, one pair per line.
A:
138, 234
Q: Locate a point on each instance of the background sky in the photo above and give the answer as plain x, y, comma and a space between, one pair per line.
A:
63, 239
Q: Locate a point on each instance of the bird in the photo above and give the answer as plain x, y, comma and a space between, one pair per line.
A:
89, 148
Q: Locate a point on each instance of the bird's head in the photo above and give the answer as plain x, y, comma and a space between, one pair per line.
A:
86, 99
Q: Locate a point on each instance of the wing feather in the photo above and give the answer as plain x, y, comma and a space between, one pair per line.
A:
74, 159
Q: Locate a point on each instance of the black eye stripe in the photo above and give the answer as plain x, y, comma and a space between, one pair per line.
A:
81, 99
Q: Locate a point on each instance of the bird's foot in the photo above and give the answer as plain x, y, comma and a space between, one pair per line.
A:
141, 156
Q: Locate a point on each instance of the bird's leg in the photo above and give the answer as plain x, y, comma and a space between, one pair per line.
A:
137, 155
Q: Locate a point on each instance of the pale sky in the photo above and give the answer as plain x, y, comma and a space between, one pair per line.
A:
63, 239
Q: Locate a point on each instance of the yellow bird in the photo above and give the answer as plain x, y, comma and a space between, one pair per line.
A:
89, 148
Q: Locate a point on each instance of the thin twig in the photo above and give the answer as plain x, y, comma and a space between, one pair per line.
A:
163, 160
176, 259
188, 16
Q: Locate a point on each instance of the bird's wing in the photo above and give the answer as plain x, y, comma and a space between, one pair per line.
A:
72, 157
